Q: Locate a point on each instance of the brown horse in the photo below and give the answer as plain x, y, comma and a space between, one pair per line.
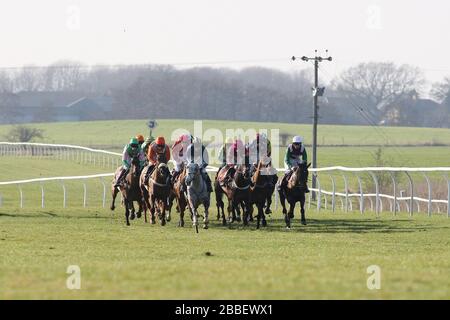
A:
295, 192
178, 193
237, 190
157, 191
130, 191
260, 191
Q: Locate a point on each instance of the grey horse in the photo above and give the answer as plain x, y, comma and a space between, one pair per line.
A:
197, 193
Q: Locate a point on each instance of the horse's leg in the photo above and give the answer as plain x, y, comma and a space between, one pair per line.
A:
269, 201
238, 211
206, 219
139, 213
127, 212
263, 216
131, 208
259, 206
291, 209
219, 202
282, 201
302, 208
145, 210
162, 206
152, 209
182, 208
114, 192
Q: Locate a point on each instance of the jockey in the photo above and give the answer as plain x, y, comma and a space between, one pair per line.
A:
238, 154
131, 150
179, 153
197, 153
260, 149
295, 155
158, 152
140, 139
224, 151
147, 143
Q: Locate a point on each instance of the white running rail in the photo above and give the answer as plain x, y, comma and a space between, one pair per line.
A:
112, 160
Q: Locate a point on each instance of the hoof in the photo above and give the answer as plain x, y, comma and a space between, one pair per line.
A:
224, 222
250, 219
163, 222
168, 218
153, 221
128, 224
264, 223
288, 228
181, 224
139, 215
268, 211
132, 216
205, 226
112, 208
303, 222
238, 219
291, 216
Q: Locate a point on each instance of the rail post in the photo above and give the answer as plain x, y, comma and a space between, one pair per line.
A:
411, 190
361, 193
427, 179
333, 197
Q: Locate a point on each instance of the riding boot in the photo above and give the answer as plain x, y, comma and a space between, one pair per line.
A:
208, 182
122, 175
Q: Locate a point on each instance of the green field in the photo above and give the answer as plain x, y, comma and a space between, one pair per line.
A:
116, 133
327, 258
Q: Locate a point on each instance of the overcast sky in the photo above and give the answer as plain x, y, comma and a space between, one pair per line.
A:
237, 33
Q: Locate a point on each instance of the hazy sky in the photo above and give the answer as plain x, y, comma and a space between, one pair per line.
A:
240, 33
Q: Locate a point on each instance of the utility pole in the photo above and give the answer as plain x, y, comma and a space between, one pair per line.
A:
317, 92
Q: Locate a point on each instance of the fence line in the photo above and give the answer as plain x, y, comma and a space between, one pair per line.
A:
112, 159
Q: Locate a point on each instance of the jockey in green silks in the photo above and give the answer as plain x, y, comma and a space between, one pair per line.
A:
295, 155
130, 151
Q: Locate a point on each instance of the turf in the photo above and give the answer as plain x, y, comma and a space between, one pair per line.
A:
116, 133
328, 258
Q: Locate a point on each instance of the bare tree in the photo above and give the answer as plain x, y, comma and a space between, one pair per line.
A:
441, 90
23, 134
6, 82
64, 75
29, 78
379, 84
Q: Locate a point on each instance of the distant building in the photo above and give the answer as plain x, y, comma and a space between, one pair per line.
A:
25, 107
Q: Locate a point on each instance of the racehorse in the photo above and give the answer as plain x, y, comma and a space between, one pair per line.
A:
260, 191
295, 192
197, 193
130, 191
236, 187
179, 194
157, 191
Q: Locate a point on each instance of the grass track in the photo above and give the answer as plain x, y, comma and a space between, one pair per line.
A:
325, 259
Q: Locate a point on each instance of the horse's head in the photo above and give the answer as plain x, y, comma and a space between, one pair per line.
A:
192, 171
163, 170
161, 158
135, 166
242, 172
299, 175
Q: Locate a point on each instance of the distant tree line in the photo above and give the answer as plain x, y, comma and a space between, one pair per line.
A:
368, 93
